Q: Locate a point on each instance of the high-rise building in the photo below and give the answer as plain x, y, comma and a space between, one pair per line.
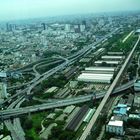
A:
84, 23
77, 28
67, 27
44, 26
8, 27
44, 41
82, 28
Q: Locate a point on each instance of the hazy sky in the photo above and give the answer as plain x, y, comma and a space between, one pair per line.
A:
20, 9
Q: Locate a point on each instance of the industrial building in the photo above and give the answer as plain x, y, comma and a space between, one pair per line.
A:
85, 60
89, 115
77, 120
101, 69
51, 90
62, 93
97, 78
69, 72
47, 131
109, 57
98, 72
99, 51
115, 53
96, 54
102, 62
69, 109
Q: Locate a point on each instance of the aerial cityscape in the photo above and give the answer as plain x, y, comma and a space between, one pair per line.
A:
70, 70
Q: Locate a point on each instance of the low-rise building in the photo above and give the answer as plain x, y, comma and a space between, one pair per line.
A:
73, 84
96, 78
52, 89
47, 131
137, 100
68, 109
85, 60
120, 110
101, 69
105, 62
115, 53
137, 85
51, 116
115, 126
89, 115
134, 116
130, 100
109, 57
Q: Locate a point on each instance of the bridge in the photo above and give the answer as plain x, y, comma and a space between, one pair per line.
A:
6, 114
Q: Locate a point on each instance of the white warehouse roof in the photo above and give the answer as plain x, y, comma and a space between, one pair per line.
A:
91, 77
111, 69
108, 62
112, 57
116, 123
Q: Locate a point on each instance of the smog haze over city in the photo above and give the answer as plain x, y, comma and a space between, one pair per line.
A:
22, 9
70, 69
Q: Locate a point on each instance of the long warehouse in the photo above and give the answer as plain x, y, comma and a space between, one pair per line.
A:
115, 53
101, 69
107, 62
97, 78
108, 57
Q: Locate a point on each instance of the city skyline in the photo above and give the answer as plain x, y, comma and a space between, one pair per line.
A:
15, 9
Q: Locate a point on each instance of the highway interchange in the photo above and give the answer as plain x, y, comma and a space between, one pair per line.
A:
14, 108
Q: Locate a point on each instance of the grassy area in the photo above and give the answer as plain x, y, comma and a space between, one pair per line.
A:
32, 125
126, 46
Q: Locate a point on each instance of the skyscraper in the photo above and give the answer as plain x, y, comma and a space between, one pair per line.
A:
44, 26
8, 27
67, 27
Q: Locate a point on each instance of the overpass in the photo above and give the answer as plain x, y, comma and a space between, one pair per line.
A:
6, 114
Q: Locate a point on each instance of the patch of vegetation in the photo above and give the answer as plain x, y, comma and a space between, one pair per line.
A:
32, 125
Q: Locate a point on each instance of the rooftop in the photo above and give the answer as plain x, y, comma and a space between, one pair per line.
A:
116, 123
111, 57
100, 68
108, 62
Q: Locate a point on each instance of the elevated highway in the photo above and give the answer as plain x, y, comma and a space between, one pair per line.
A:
109, 92
5, 114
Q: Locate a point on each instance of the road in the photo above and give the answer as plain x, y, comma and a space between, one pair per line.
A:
124, 40
17, 132
17, 111
110, 90
5, 114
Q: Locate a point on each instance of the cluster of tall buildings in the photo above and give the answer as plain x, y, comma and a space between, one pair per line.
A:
78, 28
